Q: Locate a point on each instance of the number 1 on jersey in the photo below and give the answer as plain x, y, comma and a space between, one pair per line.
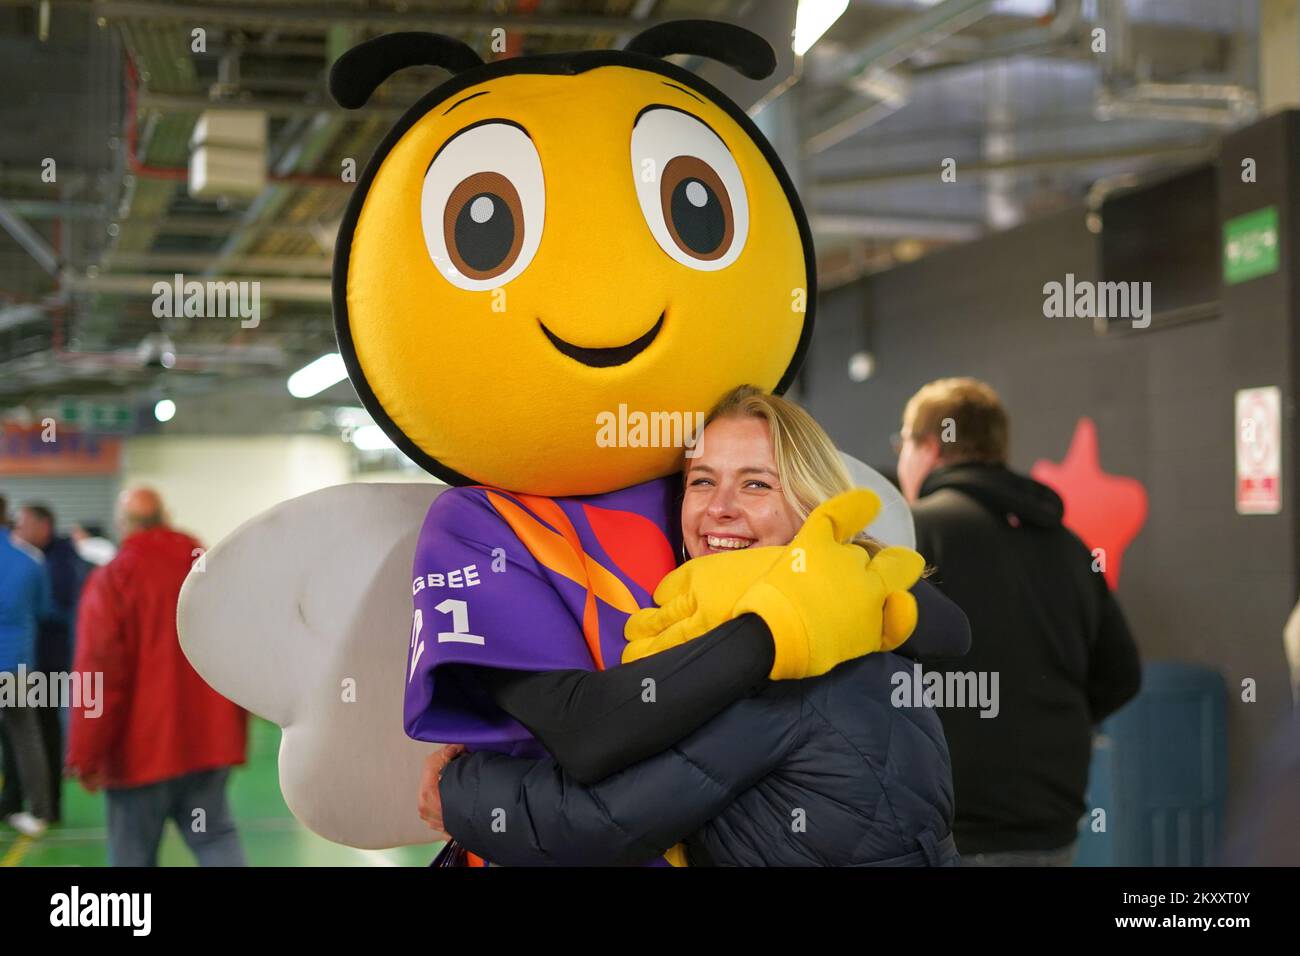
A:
459, 632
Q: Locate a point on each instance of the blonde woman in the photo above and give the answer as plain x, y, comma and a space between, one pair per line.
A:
820, 771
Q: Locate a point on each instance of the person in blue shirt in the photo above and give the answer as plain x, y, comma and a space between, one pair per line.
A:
66, 572
24, 603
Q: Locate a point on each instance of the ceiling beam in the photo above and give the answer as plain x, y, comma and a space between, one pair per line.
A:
30, 239
882, 177
312, 19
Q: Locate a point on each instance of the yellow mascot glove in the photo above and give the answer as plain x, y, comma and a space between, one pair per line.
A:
827, 601
699, 595
695, 598
703, 593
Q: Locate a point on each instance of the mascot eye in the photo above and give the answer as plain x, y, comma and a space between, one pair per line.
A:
483, 225
696, 208
689, 188
482, 205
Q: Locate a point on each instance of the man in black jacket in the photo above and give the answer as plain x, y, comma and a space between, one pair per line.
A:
1042, 618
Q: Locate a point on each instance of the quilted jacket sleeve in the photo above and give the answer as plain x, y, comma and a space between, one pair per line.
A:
519, 812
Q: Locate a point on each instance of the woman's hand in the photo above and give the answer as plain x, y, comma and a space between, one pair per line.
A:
430, 797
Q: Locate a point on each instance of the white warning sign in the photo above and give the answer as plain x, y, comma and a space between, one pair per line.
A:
1259, 451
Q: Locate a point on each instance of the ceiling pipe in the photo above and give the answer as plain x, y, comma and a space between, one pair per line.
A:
233, 262
22, 314
1066, 28
895, 227
30, 240
1126, 94
191, 103
1108, 108
847, 120
133, 161
886, 177
216, 225
879, 55
138, 99
304, 19
889, 48
56, 209
135, 284
57, 368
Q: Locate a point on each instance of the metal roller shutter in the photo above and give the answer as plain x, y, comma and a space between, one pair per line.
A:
81, 499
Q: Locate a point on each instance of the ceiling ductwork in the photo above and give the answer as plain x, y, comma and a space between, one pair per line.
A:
226, 161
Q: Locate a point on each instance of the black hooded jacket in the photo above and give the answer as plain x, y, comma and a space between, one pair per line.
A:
1048, 625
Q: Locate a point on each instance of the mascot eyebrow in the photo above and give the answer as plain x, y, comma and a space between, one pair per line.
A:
465, 99
498, 120
677, 109
361, 70
683, 89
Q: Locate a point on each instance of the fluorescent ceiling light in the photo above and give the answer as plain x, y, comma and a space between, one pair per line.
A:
371, 438
164, 410
317, 376
812, 19
1023, 8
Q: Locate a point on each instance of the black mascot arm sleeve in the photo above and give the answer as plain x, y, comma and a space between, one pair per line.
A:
597, 722
942, 630
1114, 666
518, 812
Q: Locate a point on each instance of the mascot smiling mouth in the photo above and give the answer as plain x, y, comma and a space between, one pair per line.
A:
604, 358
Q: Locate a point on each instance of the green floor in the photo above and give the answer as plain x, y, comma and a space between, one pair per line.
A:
270, 834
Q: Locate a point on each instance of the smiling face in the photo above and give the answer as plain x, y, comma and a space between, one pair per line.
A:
538, 249
733, 497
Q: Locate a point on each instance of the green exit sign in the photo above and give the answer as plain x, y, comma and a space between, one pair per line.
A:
96, 416
1250, 245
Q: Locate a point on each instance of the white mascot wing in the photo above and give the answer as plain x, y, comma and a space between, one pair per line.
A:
894, 523
303, 616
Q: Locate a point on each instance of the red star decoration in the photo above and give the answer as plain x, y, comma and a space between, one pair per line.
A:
1106, 511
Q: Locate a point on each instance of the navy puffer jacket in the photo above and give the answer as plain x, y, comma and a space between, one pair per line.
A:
817, 772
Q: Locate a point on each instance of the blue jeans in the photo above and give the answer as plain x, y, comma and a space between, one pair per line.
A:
137, 815
1061, 856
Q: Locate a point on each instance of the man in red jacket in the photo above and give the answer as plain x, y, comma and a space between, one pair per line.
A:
165, 741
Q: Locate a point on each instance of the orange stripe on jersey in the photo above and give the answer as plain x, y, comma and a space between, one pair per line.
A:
553, 513
609, 588
563, 554
544, 544
600, 581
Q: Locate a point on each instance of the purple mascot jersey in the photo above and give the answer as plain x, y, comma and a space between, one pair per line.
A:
528, 583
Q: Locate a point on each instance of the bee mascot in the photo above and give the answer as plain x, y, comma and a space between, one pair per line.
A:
543, 254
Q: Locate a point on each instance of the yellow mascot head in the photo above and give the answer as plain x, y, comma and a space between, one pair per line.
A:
544, 242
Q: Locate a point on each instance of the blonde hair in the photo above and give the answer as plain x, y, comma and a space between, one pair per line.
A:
807, 461
966, 408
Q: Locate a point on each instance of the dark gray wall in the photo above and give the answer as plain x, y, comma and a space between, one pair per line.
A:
1200, 583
